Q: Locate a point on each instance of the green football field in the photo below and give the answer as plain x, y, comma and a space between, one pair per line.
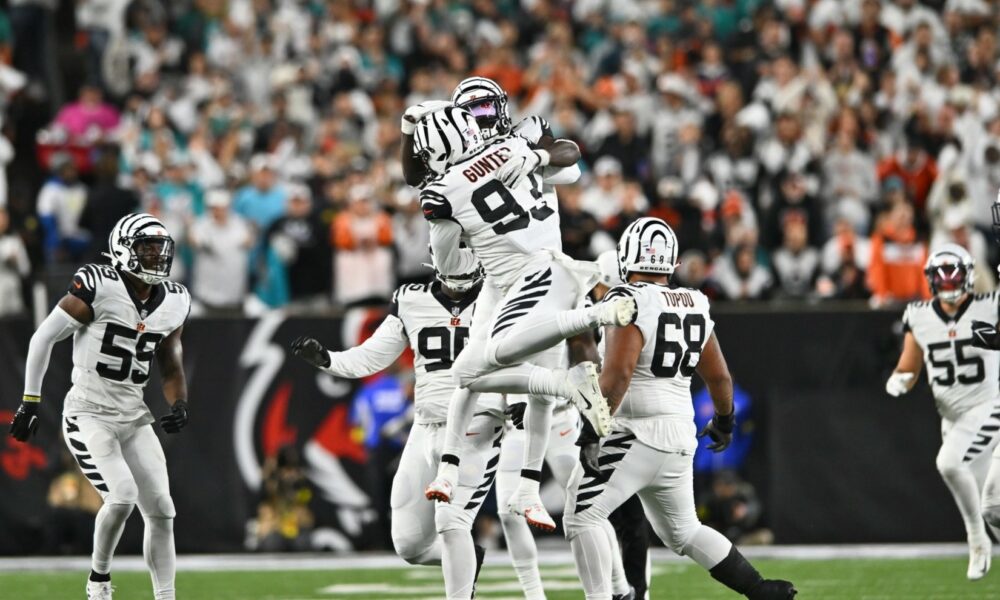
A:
848, 579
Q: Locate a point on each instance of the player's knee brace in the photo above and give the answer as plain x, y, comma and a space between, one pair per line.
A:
448, 517
576, 522
991, 514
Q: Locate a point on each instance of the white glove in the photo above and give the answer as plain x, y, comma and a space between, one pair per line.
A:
416, 112
517, 168
898, 384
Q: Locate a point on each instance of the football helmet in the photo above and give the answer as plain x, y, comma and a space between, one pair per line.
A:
647, 246
950, 272
139, 244
487, 101
443, 137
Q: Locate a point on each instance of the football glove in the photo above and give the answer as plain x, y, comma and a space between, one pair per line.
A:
416, 112
25, 421
311, 351
517, 168
590, 449
177, 418
720, 430
515, 412
985, 335
898, 384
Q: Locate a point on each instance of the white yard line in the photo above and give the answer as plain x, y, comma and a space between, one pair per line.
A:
554, 555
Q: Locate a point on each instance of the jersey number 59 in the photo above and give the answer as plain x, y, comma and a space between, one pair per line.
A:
145, 346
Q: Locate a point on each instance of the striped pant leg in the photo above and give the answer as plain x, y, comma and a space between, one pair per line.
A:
965, 441
625, 469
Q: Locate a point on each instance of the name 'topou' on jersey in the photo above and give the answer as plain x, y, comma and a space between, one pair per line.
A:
506, 228
112, 353
961, 377
675, 325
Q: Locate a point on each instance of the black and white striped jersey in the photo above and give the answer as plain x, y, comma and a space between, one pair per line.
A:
675, 325
505, 228
961, 377
112, 354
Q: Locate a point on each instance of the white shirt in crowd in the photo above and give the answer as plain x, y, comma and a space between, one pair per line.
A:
221, 265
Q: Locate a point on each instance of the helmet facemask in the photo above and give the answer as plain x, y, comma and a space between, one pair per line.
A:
462, 283
949, 281
491, 115
151, 258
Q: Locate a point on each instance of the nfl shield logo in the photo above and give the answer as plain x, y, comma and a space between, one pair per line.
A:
455, 320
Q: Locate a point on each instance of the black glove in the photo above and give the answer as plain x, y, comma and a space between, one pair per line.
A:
590, 449
720, 429
311, 351
177, 418
25, 421
985, 335
515, 412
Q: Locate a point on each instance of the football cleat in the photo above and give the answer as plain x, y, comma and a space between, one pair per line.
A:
480, 556
619, 312
773, 589
99, 590
588, 398
979, 562
530, 507
440, 490
629, 596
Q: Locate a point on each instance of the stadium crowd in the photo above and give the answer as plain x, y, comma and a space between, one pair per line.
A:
802, 149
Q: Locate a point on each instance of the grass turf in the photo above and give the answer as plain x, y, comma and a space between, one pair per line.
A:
840, 579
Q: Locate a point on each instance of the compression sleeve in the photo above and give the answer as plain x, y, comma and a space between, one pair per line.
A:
373, 355
561, 175
56, 327
449, 258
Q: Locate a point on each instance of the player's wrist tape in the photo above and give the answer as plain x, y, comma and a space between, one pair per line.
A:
725, 422
544, 157
31, 398
407, 127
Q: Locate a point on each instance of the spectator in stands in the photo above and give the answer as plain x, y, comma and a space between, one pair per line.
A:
412, 238
792, 197
301, 241
796, 264
284, 519
625, 144
72, 502
693, 273
740, 276
896, 267
89, 117
915, 168
221, 241
607, 198
14, 267
263, 201
676, 128
362, 236
849, 176
107, 202
733, 509
60, 204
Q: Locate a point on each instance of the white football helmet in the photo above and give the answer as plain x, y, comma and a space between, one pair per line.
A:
950, 272
139, 244
647, 246
444, 137
487, 101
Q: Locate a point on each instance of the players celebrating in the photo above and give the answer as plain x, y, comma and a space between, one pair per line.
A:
120, 316
433, 319
647, 378
963, 378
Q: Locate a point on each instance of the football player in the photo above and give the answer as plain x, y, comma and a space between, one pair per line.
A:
488, 103
531, 288
647, 379
432, 319
120, 316
963, 378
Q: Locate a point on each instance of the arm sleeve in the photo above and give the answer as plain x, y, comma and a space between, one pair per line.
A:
561, 175
374, 354
448, 258
56, 327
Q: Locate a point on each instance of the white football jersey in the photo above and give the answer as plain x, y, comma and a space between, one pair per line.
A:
675, 325
508, 229
533, 129
112, 353
437, 328
961, 377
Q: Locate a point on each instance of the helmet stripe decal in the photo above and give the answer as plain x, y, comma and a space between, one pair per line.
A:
442, 134
450, 113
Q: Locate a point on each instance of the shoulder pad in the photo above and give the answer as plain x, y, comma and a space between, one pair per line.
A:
435, 206
406, 292
619, 291
88, 279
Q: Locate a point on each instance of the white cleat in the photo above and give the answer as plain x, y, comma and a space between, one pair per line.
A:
619, 312
588, 398
530, 507
440, 490
99, 590
979, 561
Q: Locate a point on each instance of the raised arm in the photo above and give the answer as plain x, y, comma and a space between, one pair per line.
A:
414, 170
373, 355
170, 357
